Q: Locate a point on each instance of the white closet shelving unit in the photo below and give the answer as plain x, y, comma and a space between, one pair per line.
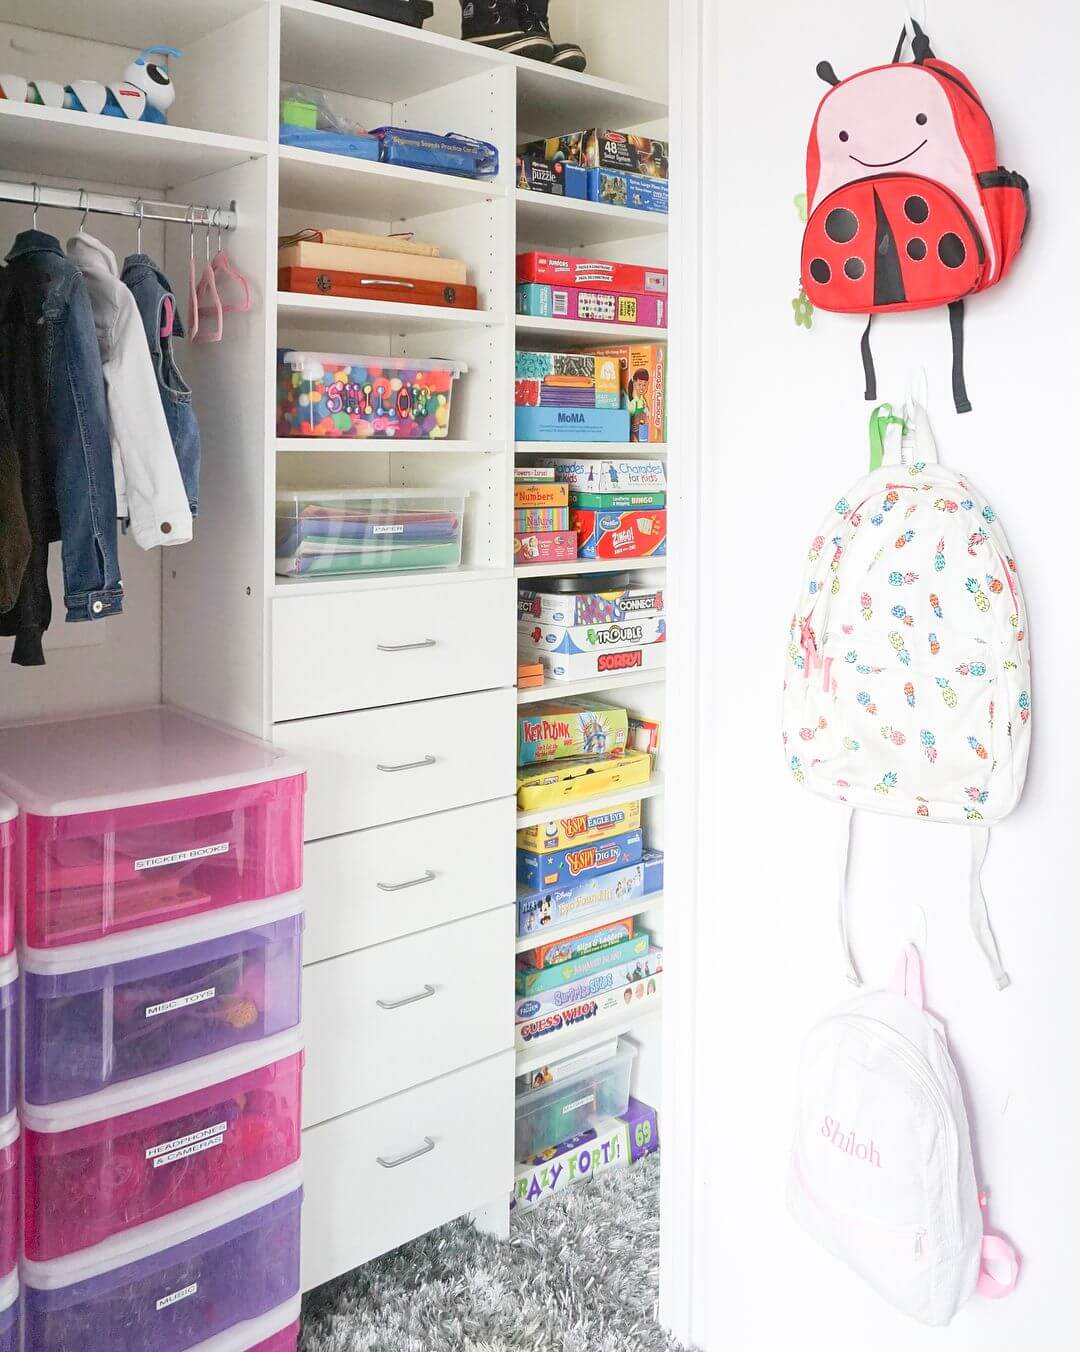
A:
328, 668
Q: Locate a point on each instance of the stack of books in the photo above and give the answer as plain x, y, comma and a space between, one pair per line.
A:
542, 531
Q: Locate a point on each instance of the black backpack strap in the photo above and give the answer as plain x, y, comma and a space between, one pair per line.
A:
868, 361
956, 326
920, 45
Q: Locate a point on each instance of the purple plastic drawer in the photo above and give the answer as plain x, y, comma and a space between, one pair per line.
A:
8, 813
97, 1014
9, 1313
170, 1289
9, 989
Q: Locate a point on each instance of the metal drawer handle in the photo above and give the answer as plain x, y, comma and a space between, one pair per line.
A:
406, 647
412, 765
425, 994
428, 877
425, 1149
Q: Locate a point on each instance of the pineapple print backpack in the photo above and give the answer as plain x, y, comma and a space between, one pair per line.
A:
907, 677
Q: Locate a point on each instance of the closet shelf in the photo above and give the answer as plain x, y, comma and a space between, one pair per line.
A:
126, 23
606, 450
637, 794
653, 902
583, 567
579, 1039
55, 143
380, 446
553, 100
302, 586
564, 222
336, 49
569, 332
312, 181
592, 685
377, 317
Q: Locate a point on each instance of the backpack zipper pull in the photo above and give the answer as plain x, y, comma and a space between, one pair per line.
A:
920, 1236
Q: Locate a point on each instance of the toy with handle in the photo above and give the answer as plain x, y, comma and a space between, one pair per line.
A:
145, 94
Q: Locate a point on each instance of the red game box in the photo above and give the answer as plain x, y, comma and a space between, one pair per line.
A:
561, 269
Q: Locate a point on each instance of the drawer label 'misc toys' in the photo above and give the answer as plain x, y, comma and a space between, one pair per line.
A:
573, 728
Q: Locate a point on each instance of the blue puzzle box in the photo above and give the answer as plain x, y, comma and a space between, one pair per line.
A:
540, 909
579, 861
640, 192
572, 424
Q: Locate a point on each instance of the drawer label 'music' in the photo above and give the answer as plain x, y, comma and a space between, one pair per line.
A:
186, 1146
182, 856
177, 1296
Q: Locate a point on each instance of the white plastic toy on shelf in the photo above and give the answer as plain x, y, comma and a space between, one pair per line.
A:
145, 94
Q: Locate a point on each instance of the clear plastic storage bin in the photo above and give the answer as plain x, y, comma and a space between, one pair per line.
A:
9, 1194
327, 394
97, 1166
551, 1113
176, 1284
367, 530
140, 818
97, 1014
8, 813
9, 1313
9, 1012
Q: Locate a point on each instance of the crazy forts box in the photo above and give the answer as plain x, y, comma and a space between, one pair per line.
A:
584, 829
576, 608
614, 1143
578, 861
608, 476
627, 974
551, 269
590, 896
570, 728
620, 535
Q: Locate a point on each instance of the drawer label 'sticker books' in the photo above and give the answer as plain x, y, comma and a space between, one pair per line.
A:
182, 856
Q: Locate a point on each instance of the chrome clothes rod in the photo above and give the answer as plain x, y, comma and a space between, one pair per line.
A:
105, 204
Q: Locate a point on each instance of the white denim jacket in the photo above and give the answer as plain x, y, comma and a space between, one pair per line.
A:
149, 488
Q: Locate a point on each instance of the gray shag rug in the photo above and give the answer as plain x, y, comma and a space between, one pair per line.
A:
580, 1274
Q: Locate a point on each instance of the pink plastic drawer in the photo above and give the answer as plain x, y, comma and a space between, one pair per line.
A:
285, 1341
97, 1166
9, 1195
7, 875
98, 873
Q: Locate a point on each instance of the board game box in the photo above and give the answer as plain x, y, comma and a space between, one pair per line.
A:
536, 980
591, 305
639, 192
608, 476
557, 1027
584, 829
586, 607
617, 978
636, 632
545, 546
578, 861
560, 784
540, 908
565, 729
579, 945
599, 148
603, 662
541, 495
541, 520
552, 269
620, 535
617, 502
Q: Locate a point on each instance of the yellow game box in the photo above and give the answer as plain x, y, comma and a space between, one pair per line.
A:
557, 783
585, 828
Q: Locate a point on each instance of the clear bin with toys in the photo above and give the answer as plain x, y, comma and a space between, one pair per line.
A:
567, 1096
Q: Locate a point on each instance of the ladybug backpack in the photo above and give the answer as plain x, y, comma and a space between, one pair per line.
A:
908, 206
907, 680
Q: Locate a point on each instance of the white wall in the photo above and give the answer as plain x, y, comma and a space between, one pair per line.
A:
790, 437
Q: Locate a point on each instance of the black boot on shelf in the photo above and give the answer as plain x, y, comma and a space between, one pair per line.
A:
533, 15
498, 24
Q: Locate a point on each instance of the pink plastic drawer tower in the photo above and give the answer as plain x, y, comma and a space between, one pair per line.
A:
97, 1166
139, 818
8, 813
9, 1195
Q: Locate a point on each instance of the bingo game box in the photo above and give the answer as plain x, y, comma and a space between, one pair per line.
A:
562, 601
566, 380
323, 394
578, 861
539, 909
643, 372
610, 978
545, 547
557, 180
556, 784
639, 192
618, 502
568, 728
612, 1144
584, 829
620, 535
536, 980
596, 274
591, 306
609, 476
553, 1030
578, 945
597, 148
572, 424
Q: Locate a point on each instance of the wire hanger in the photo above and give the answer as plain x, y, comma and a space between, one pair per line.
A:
230, 275
208, 300
37, 203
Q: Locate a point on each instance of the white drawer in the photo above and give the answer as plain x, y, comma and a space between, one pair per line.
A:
384, 1019
356, 1208
372, 886
408, 760
360, 650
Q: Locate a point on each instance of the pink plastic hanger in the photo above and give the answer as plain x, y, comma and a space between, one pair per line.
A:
231, 281
193, 286
208, 301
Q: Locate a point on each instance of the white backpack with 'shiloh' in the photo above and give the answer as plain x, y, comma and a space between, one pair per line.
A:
907, 683
881, 1170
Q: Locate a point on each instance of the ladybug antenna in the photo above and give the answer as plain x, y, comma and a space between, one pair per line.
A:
826, 73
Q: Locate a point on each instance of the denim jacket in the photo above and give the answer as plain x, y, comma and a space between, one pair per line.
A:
52, 384
151, 289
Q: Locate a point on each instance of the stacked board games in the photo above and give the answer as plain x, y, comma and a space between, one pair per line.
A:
605, 625
569, 396
618, 507
559, 286
542, 531
620, 169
